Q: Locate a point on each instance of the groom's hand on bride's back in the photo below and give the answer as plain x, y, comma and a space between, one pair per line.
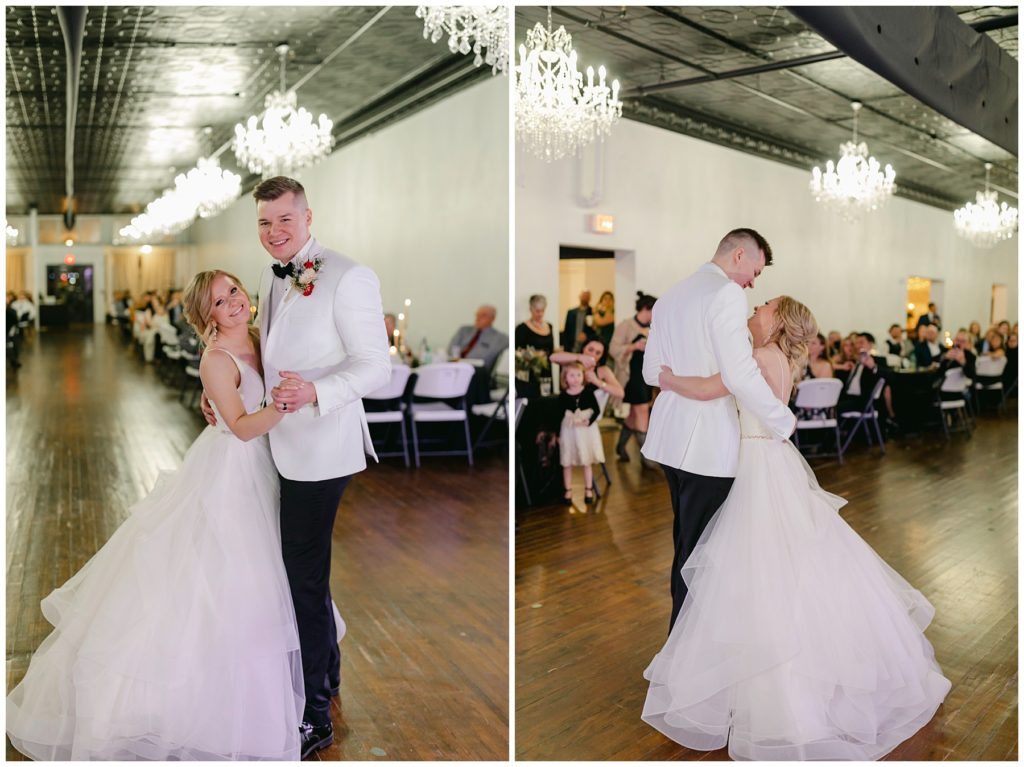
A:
207, 410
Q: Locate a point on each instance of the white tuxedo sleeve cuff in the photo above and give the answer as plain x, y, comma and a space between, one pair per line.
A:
740, 374
359, 320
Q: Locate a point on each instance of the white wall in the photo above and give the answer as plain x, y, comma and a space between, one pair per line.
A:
423, 202
673, 197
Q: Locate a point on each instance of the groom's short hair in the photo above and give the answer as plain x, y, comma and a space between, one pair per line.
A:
278, 186
737, 238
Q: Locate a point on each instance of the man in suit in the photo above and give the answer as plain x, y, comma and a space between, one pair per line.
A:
480, 341
870, 367
699, 328
931, 317
577, 332
896, 343
323, 348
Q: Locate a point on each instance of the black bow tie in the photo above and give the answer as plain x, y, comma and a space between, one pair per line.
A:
288, 270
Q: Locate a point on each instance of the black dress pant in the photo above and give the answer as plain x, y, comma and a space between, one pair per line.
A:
307, 521
695, 499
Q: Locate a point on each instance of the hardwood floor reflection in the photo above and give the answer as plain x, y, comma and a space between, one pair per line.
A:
419, 561
592, 596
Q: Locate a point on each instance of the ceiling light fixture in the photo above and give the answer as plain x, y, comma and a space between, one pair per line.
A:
556, 114
985, 222
856, 183
470, 29
287, 139
12, 233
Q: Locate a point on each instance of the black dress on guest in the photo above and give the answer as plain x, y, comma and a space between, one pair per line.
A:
529, 386
637, 391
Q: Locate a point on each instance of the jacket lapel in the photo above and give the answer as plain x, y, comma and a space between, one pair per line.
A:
291, 295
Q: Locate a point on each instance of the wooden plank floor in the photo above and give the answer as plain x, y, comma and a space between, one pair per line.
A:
419, 562
592, 596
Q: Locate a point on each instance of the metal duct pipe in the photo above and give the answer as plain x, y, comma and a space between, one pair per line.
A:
72, 25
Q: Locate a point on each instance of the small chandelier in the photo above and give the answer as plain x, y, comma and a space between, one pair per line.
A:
985, 222
856, 183
555, 113
486, 26
12, 234
288, 139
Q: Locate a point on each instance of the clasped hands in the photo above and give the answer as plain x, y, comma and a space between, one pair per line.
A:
292, 393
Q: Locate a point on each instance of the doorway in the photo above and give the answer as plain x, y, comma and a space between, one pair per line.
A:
922, 291
69, 287
999, 299
586, 270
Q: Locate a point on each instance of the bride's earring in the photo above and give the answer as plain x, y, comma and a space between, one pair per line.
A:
212, 335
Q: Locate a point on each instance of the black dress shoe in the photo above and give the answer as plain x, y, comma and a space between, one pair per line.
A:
315, 737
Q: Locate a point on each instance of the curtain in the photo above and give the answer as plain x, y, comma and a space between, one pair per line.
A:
17, 278
138, 272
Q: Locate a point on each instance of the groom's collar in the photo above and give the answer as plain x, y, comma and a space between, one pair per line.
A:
711, 266
304, 251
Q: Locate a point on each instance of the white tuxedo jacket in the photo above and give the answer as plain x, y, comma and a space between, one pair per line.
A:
699, 328
335, 338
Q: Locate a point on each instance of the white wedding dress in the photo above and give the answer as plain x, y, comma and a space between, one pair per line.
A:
177, 640
796, 640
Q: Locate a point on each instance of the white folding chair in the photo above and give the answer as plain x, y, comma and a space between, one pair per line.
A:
867, 418
954, 381
989, 373
392, 392
816, 401
442, 382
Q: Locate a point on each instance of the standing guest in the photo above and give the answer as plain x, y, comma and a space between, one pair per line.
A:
627, 349
175, 309
818, 364
579, 439
604, 317
480, 341
931, 317
597, 373
535, 341
577, 332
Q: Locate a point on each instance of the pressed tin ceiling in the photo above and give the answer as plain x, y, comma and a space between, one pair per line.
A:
163, 85
797, 116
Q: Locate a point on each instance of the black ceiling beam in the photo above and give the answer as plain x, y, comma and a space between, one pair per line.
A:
774, 66
931, 54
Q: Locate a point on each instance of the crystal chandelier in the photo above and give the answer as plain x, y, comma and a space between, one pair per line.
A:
556, 114
985, 222
288, 139
856, 183
470, 29
12, 234
210, 187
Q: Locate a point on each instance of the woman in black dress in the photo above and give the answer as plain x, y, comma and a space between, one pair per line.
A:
627, 349
535, 342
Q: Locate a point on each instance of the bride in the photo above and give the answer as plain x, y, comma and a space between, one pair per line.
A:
177, 640
796, 640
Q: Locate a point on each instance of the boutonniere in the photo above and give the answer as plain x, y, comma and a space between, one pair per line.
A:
305, 278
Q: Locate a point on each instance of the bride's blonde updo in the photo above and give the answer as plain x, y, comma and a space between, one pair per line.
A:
197, 303
796, 327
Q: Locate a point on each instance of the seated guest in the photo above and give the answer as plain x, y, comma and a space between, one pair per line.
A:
835, 339
390, 323
12, 333
861, 382
1010, 372
930, 317
846, 359
896, 343
976, 336
24, 307
577, 331
927, 350
595, 365
994, 346
480, 341
961, 355
818, 364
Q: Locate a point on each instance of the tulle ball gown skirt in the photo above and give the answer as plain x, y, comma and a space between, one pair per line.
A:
176, 641
796, 640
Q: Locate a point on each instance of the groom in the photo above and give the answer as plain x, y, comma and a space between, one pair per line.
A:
323, 347
699, 328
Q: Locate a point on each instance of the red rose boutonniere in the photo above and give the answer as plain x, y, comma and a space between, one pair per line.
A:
306, 276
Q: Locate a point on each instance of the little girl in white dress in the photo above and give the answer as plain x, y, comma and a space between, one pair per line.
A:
580, 438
